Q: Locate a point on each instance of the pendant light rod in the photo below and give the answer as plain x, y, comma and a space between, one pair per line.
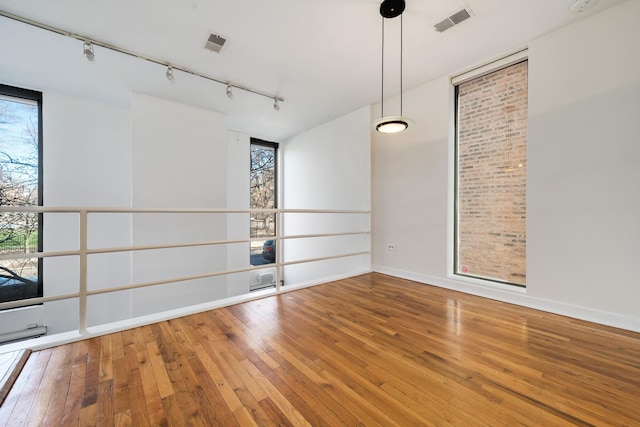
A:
382, 95
382, 73
134, 54
401, 64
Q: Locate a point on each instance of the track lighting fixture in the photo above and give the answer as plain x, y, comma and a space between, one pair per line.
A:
276, 106
87, 50
169, 74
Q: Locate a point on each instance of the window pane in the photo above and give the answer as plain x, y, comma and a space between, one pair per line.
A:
263, 196
491, 176
19, 186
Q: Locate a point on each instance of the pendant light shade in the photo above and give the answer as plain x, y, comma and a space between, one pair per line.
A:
391, 124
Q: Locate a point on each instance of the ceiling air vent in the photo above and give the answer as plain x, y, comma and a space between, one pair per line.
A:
580, 6
215, 42
452, 20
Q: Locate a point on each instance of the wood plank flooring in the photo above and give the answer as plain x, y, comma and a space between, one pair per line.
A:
371, 350
10, 366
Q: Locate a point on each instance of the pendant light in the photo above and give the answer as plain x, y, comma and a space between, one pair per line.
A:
391, 124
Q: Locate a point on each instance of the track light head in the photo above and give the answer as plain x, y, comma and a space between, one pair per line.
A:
87, 50
169, 74
276, 106
229, 91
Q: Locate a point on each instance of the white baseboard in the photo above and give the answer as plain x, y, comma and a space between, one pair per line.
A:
323, 280
518, 297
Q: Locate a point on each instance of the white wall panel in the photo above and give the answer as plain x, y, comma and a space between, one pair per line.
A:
87, 162
179, 161
238, 159
583, 199
328, 167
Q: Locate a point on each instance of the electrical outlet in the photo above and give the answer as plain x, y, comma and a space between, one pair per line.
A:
391, 246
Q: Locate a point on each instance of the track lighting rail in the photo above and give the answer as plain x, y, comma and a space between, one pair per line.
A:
115, 48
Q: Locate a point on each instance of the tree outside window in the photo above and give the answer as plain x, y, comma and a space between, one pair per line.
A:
263, 184
20, 232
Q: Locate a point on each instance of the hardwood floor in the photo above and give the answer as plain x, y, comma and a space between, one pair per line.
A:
10, 366
371, 350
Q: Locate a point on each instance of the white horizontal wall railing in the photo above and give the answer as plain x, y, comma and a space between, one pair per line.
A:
83, 253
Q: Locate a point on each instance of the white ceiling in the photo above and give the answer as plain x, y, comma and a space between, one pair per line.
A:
322, 56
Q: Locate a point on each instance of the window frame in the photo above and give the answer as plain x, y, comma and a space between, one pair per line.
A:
275, 146
456, 81
34, 96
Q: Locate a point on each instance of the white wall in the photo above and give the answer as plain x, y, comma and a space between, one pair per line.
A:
158, 154
410, 191
327, 167
86, 162
238, 159
179, 160
582, 201
583, 197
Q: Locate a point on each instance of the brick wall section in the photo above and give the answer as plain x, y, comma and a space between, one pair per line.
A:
492, 145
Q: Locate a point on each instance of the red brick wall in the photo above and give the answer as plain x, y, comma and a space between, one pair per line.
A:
492, 145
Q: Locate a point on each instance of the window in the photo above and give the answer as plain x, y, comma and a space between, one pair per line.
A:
263, 182
491, 146
20, 185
